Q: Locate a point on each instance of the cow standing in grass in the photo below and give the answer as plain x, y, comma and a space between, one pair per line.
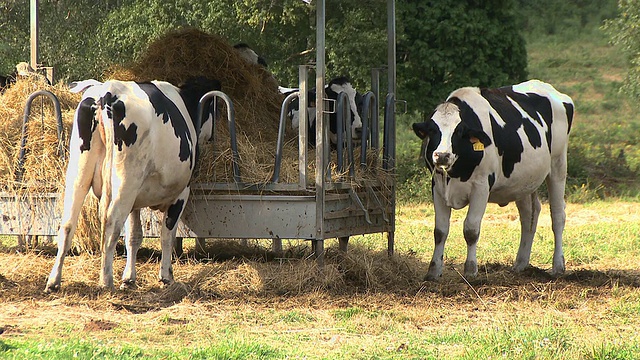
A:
498, 146
135, 145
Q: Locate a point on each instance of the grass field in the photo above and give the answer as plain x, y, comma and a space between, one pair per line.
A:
366, 305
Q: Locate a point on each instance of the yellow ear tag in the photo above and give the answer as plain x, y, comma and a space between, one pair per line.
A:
477, 145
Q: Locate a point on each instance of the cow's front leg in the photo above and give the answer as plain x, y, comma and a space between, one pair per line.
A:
168, 235
440, 233
529, 211
471, 230
133, 241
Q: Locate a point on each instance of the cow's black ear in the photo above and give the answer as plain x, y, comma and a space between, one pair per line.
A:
421, 129
481, 136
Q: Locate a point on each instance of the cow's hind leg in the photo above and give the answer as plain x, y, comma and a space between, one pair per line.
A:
556, 182
115, 215
529, 210
133, 240
74, 198
77, 184
168, 235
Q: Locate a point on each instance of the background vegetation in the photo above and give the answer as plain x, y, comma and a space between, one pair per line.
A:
442, 45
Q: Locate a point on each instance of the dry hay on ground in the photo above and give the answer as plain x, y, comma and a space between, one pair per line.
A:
295, 280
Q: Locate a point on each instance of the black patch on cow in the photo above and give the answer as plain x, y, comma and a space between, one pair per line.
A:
439, 236
538, 109
169, 111
568, 108
86, 122
429, 132
492, 180
471, 236
116, 112
173, 214
192, 90
470, 126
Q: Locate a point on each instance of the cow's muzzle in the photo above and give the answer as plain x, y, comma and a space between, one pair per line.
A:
442, 160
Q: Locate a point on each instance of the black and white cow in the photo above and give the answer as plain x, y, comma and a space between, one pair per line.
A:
332, 90
249, 55
135, 145
498, 146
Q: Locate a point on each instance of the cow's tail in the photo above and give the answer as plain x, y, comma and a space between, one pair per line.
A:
105, 125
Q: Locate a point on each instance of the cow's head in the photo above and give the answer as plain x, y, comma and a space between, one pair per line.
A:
335, 87
453, 132
191, 91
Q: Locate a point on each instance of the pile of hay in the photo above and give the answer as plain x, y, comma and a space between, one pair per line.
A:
252, 89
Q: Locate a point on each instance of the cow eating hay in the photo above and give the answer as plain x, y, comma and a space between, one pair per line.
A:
497, 145
134, 145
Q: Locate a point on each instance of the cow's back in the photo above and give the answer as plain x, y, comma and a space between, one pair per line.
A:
528, 125
153, 141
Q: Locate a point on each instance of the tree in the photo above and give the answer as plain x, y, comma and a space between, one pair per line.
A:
625, 31
442, 44
446, 44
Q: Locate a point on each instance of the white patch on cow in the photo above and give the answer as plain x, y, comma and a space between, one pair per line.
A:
351, 94
295, 117
286, 90
447, 117
80, 86
248, 54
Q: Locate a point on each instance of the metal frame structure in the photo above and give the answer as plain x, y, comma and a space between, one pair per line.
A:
318, 211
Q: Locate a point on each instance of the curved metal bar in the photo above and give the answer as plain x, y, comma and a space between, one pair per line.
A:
23, 143
369, 133
231, 115
343, 117
388, 144
283, 115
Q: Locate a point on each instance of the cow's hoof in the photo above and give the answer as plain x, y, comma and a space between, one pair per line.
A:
128, 285
432, 277
51, 288
470, 269
166, 282
556, 273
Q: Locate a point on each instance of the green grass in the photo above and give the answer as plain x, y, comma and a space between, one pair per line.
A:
79, 348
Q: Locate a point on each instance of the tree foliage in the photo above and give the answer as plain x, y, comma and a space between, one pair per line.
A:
442, 44
625, 31
446, 44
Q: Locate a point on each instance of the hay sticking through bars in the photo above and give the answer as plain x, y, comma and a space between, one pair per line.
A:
252, 89
44, 166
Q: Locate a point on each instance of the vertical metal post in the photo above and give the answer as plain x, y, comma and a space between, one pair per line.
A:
391, 75
375, 88
303, 125
34, 33
391, 43
321, 159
